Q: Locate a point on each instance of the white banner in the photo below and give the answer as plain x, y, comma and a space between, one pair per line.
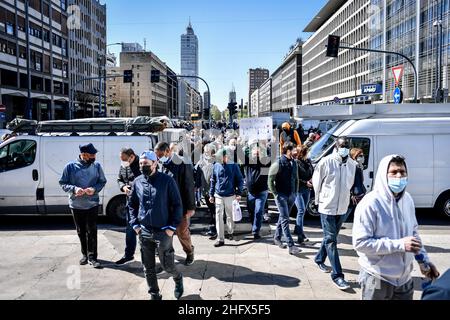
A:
256, 129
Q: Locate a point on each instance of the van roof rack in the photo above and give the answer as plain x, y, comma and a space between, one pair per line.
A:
95, 125
366, 111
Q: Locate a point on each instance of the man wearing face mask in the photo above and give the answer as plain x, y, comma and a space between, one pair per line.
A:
183, 174
156, 211
333, 178
83, 180
129, 170
386, 236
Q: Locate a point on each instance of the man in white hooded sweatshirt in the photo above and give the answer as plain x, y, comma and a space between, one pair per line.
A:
386, 238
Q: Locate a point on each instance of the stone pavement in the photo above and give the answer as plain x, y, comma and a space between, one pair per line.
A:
44, 265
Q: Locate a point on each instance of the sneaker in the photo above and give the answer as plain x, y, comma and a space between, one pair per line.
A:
124, 260
294, 250
213, 237
84, 261
219, 244
324, 268
301, 241
256, 237
156, 296
230, 237
279, 243
341, 284
179, 288
199, 204
95, 264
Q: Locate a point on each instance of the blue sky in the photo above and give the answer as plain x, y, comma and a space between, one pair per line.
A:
233, 35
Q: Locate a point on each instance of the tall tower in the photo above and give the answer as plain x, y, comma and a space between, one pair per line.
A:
189, 55
233, 94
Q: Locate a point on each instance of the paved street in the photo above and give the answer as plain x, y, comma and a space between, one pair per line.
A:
40, 261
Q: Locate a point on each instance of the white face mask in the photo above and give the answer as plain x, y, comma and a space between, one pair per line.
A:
125, 164
343, 152
163, 159
361, 160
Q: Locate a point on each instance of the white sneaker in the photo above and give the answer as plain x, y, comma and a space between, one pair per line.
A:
294, 250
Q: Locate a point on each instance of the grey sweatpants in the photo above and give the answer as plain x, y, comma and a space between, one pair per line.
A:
373, 288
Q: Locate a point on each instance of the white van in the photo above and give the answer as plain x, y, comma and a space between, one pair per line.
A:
31, 166
423, 139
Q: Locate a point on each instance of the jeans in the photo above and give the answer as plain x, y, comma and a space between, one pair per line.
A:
256, 205
331, 226
284, 204
224, 206
151, 241
301, 202
86, 224
130, 238
376, 289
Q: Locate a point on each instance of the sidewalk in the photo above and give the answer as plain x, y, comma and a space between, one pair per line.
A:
44, 265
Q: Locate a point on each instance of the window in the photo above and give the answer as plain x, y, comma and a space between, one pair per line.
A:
18, 154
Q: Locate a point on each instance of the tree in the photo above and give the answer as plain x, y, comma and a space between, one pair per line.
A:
215, 113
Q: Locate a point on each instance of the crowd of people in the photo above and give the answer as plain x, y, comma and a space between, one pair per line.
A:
165, 187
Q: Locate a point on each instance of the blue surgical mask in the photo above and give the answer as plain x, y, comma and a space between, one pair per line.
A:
343, 152
397, 185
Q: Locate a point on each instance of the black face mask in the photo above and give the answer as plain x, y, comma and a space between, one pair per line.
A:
146, 170
91, 161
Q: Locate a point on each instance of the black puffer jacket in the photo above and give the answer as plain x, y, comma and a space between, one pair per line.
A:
305, 172
129, 174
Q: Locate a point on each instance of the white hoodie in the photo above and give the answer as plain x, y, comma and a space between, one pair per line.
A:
381, 222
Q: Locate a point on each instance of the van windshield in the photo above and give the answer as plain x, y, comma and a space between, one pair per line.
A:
321, 146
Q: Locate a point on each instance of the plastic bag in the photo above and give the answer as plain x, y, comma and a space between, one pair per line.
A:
237, 213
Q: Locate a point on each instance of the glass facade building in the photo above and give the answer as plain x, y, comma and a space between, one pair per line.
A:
189, 56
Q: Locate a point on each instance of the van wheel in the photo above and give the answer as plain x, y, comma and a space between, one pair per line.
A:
313, 210
116, 211
443, 204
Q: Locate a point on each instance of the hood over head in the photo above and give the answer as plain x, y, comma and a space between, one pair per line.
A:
381, 181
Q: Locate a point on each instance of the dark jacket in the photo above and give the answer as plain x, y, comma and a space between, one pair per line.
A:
183, 174
305, 172
256, 174
226, 180
358, 187
129, 174
283, 177
155, 203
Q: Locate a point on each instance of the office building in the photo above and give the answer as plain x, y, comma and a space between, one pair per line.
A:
256, 78
189, 56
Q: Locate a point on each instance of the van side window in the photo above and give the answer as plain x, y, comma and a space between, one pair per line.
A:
364, 144
18, 154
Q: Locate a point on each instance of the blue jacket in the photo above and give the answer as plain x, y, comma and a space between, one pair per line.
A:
155, 203
225, 179
78, 174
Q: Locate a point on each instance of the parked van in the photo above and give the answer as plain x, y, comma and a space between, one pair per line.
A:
31, 166
423, 139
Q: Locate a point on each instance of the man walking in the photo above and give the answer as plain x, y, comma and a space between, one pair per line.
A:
183, 174
332, 180
128, 172
156, 211
283, 183
226, 186
203, 171
256, 168
83, 180
386, 236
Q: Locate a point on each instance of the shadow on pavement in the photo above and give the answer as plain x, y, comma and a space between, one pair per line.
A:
202, 270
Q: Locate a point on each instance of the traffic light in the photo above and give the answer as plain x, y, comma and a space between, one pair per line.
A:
206, 113
232, 107
155, 77
333, 46
127, 76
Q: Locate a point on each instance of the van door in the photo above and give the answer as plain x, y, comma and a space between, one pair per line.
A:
367, 145
20, 176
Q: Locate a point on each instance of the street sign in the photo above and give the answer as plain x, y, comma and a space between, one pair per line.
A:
398, 74
398, 96
375, 88
2, 108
